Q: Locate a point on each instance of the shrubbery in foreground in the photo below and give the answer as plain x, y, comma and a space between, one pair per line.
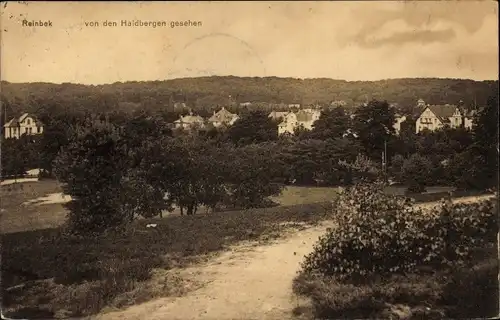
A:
380, 238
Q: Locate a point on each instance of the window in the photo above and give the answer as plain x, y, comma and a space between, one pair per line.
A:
28, 121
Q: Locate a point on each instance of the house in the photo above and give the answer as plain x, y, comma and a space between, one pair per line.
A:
468, 120
288, 124
180, 105
338, 103
223, 117
434, 117
26, 124
189, 122
290, 121
421, 104
397, 125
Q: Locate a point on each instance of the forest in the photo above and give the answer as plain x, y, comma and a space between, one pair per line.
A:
206, 94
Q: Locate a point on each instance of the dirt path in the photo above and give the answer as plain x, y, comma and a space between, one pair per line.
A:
247, 282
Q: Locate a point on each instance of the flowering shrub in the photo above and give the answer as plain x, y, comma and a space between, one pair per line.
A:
379, 234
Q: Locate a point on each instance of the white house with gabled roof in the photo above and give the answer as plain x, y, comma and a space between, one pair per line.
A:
26, 124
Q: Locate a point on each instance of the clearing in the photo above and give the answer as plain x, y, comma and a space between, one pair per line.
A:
245, 283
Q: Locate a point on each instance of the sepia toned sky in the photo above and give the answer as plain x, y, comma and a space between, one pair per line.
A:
341, 40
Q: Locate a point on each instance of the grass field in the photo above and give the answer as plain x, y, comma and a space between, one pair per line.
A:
293, 195
16, 216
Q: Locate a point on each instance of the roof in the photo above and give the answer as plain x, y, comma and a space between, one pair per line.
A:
21, 118
15, 122
189, 119
12, 123
443, 112
222, 116
278, 114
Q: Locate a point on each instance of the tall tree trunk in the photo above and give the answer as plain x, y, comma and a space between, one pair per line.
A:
182, 210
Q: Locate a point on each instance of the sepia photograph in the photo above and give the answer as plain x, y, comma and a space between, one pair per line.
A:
265, 160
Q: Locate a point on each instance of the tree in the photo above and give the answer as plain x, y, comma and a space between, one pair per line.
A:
416, 172
312, 161
299, 133
373, 123
304, 160
361, 169
332, 124
94, 171
396, 167
485, 144
188, 170
254, 173
55, 136
13, 161
253, 127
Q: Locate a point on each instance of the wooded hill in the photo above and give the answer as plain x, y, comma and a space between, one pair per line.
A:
204, 94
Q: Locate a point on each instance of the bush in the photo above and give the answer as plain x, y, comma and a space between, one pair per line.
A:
334, 300
380, 235
465, 226
416, 172
387, 260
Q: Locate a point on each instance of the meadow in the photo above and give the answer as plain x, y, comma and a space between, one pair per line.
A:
47, 273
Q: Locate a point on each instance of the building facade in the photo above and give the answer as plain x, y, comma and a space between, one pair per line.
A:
434, 117
24, 125
290, 121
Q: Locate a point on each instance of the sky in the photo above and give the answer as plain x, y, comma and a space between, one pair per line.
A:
360, 40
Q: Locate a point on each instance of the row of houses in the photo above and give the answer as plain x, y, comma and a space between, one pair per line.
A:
432, 117
288, 121
223, 117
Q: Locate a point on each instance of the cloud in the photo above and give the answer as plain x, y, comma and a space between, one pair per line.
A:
421, 18
400, 38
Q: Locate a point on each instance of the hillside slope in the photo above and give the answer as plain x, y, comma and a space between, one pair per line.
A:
210, 92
